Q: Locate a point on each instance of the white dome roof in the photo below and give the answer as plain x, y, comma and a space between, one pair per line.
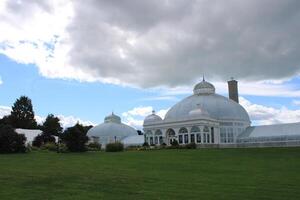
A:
198, 113
151, 119
111, 129
204, 88
206, 104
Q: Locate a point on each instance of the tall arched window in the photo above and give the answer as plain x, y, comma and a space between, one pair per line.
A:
158, 132
206, 138
149, 137
158, 137
148, 132
195, 133
170, 136
183, 130
183, 135
195, 129
205, 129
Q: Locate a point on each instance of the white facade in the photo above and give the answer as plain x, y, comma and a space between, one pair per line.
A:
207, 119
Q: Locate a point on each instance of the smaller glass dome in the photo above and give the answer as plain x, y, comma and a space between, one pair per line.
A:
204, 88
112, 118
151, 119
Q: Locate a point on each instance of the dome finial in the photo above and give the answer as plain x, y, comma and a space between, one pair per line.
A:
204, 88
203, 78
153, 112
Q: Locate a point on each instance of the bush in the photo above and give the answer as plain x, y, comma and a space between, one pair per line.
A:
133, 147
10, 141
191, 146
145, 144
50, 146
174, 143
62, 148
114, 147
43, 139
94, 146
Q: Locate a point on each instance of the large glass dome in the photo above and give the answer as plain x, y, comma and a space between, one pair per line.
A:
206, 104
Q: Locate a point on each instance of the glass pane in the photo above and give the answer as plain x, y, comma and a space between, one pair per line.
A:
198, 138
180, 139
192, 138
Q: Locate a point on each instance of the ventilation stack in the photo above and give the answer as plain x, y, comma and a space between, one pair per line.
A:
233, 90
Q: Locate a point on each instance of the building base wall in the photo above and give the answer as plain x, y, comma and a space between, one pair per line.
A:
252, 145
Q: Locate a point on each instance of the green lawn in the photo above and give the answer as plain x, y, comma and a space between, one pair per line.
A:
163, 174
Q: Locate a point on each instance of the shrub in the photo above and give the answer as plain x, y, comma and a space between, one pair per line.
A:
174, 143
114, 147
145, 144
191, 146
163, 145
133, 147
10, 141
42, 139
62, 148
50, 146
94, 146
37, 141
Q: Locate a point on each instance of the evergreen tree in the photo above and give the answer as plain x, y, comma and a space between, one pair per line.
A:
22, 115
75, 138
52, 126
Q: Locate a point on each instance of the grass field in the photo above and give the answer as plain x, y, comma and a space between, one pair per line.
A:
164, 174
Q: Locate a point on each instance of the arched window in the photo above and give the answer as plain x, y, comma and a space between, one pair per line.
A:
195, 129
183, 130
170, 136
158, 132
206, 129
170, 132
148, 132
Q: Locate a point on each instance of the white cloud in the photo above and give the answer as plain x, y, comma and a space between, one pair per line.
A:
154, 43
1, 82
264, 115
260, 88
4, 111
66, 121
136, 116
296, 102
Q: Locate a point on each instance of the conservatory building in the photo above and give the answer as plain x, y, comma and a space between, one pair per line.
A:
212, 120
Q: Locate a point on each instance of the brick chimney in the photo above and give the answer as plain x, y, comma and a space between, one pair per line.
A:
233, 90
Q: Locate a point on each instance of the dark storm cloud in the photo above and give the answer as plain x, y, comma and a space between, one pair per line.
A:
153, 43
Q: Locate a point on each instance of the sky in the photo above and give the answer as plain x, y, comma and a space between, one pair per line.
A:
82, 60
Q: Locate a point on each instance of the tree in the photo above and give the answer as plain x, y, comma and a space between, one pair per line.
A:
75, 138
22, 115
5, 120
10, 141
52, 126
43, 139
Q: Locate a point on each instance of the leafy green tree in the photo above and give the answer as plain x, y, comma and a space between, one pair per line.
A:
10, 141
22, 115
52, 126
75, 138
